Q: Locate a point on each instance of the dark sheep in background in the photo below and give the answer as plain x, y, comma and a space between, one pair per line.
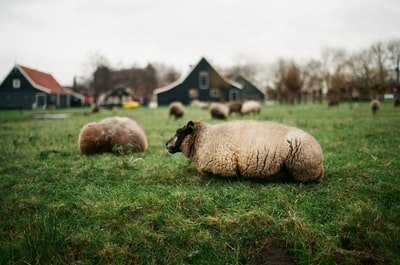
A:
176, 109
234, 107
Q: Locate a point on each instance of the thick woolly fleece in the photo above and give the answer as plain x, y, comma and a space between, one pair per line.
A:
103, 136
219, 111
250, 106
254, 149
176, 109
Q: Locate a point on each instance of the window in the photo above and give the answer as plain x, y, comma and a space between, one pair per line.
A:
215, 93
16, 83
233, 95
193, 93
203, 80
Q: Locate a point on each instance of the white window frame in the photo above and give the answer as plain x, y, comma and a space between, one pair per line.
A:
37, 100
16, 83
233, 95
204, 80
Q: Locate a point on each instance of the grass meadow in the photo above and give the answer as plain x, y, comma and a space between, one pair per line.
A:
58, 206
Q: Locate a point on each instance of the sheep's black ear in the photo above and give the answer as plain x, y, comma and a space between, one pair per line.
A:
191, 126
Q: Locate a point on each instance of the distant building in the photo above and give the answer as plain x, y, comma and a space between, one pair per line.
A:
116, 97
204, 83
26, 88
249, 91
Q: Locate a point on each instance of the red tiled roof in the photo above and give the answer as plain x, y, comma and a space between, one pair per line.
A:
43, 80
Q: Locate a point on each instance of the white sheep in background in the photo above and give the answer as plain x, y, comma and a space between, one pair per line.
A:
250, 106
374, 105
251, 150
110, 133
219, 111
176, 109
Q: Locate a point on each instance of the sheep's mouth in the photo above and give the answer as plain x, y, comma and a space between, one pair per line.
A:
173, 150
171, 146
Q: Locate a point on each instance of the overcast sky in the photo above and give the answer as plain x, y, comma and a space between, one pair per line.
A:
60, 37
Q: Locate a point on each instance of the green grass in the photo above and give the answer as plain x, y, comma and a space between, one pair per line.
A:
58, 206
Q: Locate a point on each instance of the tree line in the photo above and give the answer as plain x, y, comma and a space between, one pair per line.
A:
338, 75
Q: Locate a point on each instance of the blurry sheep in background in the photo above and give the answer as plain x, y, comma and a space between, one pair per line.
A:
176, 109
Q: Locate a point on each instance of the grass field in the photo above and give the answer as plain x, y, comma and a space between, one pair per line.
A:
58, 206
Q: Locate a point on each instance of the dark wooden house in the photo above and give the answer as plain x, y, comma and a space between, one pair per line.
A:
26, 88
116, 97
203, 83
248, 90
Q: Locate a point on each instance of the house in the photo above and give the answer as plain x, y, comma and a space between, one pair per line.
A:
203, 83
249, 91
76, 99
116, 97
26, 88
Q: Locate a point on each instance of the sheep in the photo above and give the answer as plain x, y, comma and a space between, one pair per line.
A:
176, 109
374, 104
198, 103
250, 150
234, 106
110, 133
95, 108
250, 106
219, 111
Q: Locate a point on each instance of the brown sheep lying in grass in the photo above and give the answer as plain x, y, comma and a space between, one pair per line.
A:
250, 149
116, 134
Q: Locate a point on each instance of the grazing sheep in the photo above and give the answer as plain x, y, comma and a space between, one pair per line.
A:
374, 104
396, 102
104, 136
198, 103
235, 106
250, 149
250, 106
176, 109
219, 111
95, 108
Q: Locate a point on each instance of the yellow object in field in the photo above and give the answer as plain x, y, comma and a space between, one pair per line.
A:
130, 104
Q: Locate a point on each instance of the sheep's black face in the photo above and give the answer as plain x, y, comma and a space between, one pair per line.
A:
174, 144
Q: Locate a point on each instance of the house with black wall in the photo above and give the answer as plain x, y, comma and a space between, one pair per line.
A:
26, 88
248, 90
203, 83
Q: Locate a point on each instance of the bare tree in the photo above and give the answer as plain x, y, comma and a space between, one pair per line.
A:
393, 50
291, 80
378, 56
313, 80
101, 81
165, 74
333, 61
361, 74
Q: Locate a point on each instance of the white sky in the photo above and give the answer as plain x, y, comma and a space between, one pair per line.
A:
59, 37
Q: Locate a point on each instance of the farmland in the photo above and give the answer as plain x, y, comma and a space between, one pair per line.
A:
58, 206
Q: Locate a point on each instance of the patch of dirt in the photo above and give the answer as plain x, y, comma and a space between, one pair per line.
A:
356, 251
275, 253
